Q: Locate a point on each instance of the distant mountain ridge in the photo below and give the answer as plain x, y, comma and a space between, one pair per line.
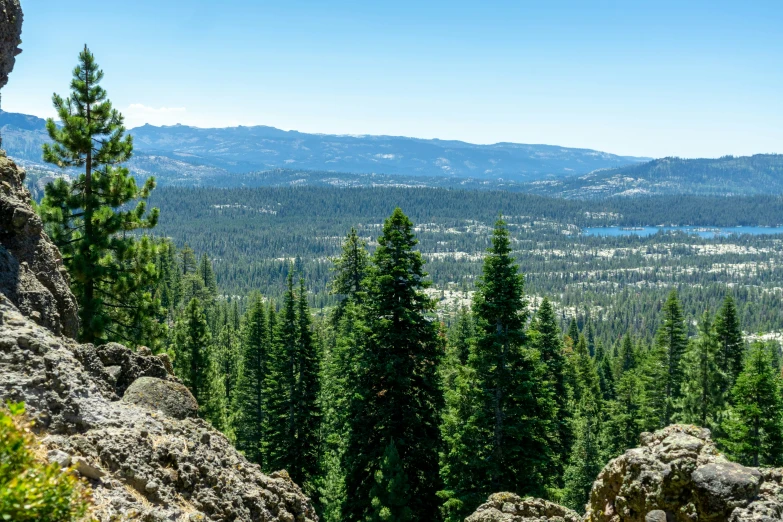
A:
180, 151
726, 176
265, 156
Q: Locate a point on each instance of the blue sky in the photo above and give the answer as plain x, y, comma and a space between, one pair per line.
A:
652, 78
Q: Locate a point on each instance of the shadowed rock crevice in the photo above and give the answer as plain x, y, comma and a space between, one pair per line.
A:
32, 274
676, 475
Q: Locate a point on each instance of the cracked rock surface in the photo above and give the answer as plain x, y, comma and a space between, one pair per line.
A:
32, 274
10, 37
142, 462
675, 475
678, 475
508, 507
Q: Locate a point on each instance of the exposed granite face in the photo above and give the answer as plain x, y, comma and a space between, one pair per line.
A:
678, 475
32, 274
142, 462
10, 37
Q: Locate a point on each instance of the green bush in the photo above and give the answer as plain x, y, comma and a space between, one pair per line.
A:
30, 489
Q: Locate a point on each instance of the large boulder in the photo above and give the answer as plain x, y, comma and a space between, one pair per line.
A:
32, 274
171, 398
678, 475
10, 37
508, 507
143, 462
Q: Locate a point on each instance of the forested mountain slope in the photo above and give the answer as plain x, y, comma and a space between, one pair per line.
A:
253, 235
729, 175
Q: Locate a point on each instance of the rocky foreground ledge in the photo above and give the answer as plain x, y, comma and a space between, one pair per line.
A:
101, 409
676, 475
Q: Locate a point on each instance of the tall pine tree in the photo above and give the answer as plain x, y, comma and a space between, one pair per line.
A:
546, 339
398, 396
732, 347
505, 440
280, 385
703, 381
306, 399
89, 218
673, 340
350, 270
249, 401
754, 425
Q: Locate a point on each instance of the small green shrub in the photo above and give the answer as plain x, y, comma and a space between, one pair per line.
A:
31, 490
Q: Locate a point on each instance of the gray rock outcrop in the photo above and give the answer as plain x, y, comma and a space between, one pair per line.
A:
142, 462
10, 37
32, 274
678, 475
508, 507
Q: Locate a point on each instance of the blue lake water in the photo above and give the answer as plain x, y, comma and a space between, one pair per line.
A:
706, 232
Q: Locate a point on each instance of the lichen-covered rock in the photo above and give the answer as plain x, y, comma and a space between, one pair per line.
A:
677, 475
172, 398
142, 463
32, 275
10, 37
508, 507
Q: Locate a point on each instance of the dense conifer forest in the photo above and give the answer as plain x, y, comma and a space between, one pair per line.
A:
403, 353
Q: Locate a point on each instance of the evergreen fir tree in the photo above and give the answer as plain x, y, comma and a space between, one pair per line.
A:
585, 461
627, 357
350, 270
703, 380
573, 331
546, 339
280, 385
754, 424
672, 338
207, 275
591, 347
188, 263
214, 404
462, 336
306, 400
192, 342
398, 395
732, 347
585, 456
228, 354
507, 444
197, 367
340, 371
89, 218
626, 415
654, 372
605, 372
390, 495
249, 402
331, 490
